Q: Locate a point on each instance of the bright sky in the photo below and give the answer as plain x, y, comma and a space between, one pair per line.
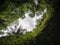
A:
36, 2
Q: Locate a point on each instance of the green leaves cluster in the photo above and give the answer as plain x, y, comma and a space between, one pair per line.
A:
6, 17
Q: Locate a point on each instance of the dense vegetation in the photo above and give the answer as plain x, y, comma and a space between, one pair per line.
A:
37, 37
19, 7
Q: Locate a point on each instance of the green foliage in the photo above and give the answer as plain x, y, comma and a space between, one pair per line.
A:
6, 17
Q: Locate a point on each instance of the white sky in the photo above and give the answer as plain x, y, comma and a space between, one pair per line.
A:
36, 2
